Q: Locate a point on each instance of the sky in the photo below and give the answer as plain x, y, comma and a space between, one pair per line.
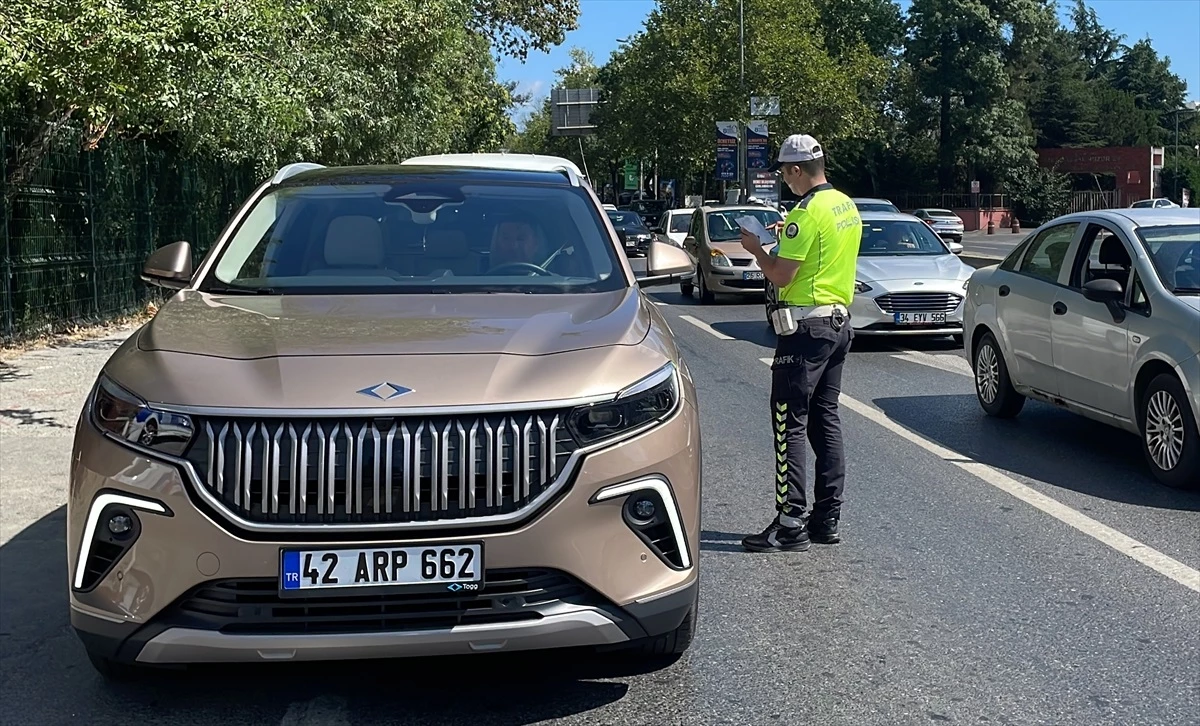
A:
1172, 25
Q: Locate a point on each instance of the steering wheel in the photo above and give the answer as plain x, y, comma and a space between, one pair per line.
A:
527, 266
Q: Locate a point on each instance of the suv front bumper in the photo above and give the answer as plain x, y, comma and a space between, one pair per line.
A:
190, 589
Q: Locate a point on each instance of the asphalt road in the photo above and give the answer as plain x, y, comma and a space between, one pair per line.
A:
1022, 572
997, 245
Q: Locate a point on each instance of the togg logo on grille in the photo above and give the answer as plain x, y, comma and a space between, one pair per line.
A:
384, 391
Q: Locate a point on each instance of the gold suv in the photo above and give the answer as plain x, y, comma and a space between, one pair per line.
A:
395, 411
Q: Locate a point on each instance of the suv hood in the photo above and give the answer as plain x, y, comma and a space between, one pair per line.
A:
899, 267
245, 327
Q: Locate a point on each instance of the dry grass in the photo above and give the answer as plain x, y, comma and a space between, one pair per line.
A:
77, 332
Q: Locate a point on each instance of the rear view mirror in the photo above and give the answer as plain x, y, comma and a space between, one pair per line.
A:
169, 266
665, 264
1104, 290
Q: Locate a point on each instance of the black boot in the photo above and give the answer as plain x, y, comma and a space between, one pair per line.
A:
824, 531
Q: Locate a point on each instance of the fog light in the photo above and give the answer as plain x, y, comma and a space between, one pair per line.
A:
644, 509
120, 524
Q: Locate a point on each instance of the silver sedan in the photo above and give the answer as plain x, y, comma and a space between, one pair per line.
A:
909, 281
1099, 313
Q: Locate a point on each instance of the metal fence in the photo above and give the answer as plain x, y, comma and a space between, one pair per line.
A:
77, 228
910, 201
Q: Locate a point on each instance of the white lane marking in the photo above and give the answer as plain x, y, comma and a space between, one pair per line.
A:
706, 327
320, 711
1163, 564
943, 362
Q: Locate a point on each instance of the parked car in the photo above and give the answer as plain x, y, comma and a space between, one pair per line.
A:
649, 210
867, 204
714, 243
674, 225
946, 223
391, 436
1156, 203
634, 233
1099, 313
909, 281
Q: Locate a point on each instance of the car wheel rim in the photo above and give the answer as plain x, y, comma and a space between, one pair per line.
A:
987, 374
1164, 430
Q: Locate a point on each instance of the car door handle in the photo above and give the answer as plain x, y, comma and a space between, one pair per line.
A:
1060, 308
1004, 290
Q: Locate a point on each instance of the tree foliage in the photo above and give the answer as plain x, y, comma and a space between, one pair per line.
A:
270, 80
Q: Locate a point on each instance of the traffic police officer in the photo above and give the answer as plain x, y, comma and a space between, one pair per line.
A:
814, 272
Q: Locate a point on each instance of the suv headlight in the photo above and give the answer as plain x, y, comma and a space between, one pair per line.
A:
860, 286
125, 416
719, 259
653, 398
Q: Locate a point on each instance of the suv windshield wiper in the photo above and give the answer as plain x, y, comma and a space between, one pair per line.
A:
1185, 289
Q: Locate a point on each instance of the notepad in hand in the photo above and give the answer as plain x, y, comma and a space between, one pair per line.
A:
756, 228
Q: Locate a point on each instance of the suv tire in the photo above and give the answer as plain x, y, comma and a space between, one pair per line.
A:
1170, 440
665, 649
706, 296
993, 387
113, 671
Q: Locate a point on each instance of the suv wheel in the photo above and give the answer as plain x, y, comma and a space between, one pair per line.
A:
1169, 437
686, 288
993, 387
669, 647
111, 670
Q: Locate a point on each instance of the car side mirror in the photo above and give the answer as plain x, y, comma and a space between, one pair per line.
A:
665, 264
689, 240
956, 248
1104, 290
169, 266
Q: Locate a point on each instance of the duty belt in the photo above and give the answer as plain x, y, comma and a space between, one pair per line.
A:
800, 312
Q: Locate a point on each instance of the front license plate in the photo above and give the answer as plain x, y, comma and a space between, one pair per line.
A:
752, 275
422, 568
919, 318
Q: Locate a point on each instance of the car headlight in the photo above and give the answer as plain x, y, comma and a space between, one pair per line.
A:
719, 259
650, 399
125, 416
860, 286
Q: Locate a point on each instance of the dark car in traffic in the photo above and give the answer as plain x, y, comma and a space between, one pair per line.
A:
634, 232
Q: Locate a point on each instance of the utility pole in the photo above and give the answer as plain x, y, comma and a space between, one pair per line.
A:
743, 128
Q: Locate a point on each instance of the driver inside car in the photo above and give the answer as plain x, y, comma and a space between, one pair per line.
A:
517, 241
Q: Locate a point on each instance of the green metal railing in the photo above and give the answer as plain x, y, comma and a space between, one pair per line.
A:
78, 226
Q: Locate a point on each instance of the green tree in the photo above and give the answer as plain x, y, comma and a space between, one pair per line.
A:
959, 51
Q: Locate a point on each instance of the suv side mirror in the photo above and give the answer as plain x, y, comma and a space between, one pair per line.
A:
170, 266
956, 248
1104, 290
665, 264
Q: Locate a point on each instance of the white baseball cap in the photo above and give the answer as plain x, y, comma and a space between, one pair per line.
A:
797, 148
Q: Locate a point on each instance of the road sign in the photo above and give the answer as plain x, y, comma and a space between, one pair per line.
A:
975, 187
764, 105
571, 111
631, 175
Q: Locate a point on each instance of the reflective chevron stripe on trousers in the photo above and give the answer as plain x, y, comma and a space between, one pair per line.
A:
806, 380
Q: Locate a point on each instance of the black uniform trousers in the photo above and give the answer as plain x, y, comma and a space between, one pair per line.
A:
806, 380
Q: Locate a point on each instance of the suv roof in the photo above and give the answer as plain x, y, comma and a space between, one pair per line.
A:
514, 162
304, 174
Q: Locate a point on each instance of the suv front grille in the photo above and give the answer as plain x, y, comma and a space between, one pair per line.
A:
382, 470
253, 606
918, 302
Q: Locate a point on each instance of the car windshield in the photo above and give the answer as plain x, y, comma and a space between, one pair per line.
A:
1175, 251
722, 226
649, 206
899, 237
941, 214
1142, 204
680, 223
875, 207
626, 220
395, 236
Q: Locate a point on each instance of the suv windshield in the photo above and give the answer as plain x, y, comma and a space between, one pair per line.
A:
626, 220
680, 223
722, 226
1175, 251
899, 237
395, 236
